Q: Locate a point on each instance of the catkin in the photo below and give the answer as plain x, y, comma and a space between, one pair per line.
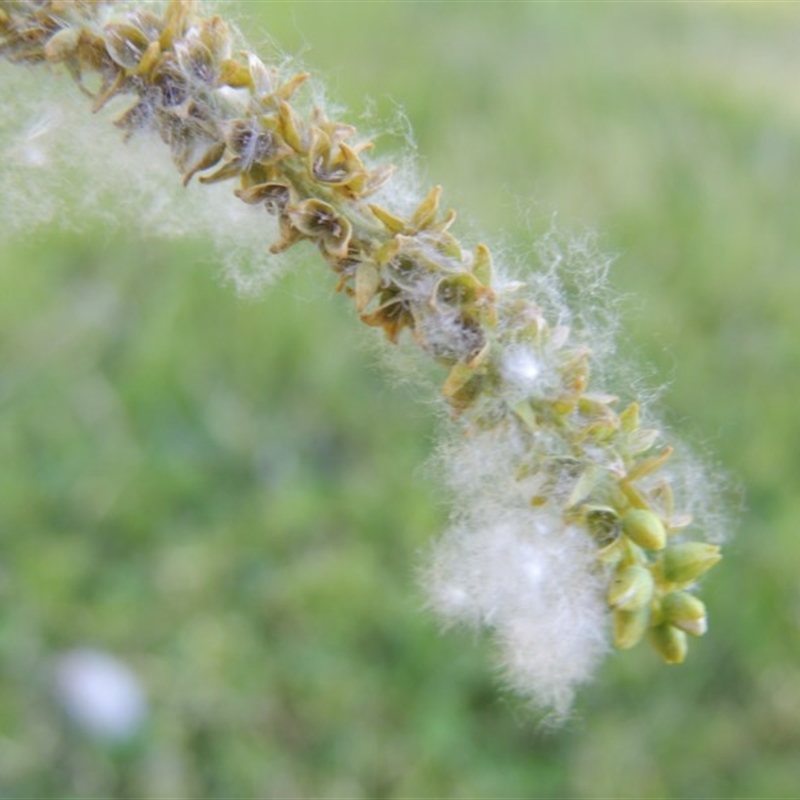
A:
566, 529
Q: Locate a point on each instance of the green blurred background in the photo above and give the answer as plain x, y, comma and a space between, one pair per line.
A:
227, 494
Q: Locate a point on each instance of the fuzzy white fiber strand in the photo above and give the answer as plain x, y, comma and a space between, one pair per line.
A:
521, 572
69, 169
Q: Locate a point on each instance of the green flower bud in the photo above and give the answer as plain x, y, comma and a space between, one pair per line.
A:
630, 626
669, 643
686, 612
631, 589
684, 563
644, 528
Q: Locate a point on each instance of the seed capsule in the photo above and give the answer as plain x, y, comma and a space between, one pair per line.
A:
630, 626
669, 643
631, 589
686, 612
644, 528
684, 563
62, 45
603, 524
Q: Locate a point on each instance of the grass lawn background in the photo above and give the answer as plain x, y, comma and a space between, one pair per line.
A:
229, 495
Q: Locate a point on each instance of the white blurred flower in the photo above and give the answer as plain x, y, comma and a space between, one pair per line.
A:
100, 694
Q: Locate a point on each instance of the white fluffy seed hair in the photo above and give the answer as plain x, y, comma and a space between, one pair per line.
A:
519, 571
529, 579
67, 168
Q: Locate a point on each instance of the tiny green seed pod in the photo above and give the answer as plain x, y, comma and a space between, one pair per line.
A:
686, 612
644, 528
630, 626
669, 643
684, 563
631, 589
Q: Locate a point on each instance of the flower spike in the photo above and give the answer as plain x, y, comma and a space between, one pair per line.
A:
567, 529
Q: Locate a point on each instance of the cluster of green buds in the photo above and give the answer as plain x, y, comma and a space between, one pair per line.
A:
228, 116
